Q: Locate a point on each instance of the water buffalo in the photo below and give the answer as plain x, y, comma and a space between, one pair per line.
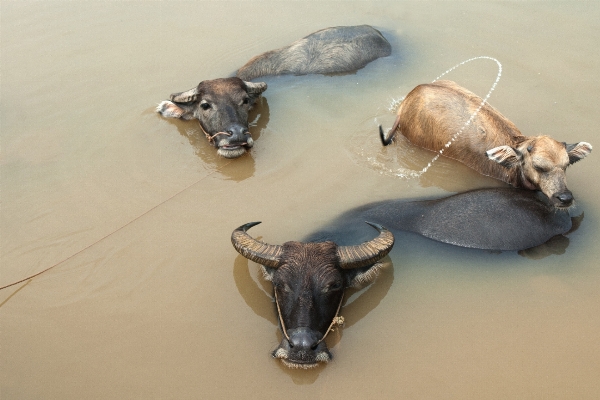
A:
431, 114
491, 219
333, 50
309, 280
222, 105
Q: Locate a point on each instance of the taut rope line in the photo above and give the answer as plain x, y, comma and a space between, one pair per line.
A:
118, 229
281, 318
471, 118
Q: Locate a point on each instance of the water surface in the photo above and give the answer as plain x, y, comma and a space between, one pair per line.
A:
148, 299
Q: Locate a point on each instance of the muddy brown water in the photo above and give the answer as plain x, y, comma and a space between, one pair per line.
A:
148, 299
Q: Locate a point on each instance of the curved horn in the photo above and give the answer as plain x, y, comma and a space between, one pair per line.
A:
367, 253
387, 141
255, 88
255, 250
187, 96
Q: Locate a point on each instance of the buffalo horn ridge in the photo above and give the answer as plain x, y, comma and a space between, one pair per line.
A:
367, 253
255, 250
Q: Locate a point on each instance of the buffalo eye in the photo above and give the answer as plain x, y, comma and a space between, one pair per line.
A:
205, 106
246, 100
540, 169
333, 287
283, 287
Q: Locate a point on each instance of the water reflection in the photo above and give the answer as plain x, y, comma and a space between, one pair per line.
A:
302, 376
257, 298
557, 245
15, 292
359, 302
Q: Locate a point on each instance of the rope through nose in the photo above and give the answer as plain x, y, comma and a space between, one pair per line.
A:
212, 137
337, 320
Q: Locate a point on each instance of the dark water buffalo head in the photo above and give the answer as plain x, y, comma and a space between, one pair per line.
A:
221, 106
541, 163
308, 284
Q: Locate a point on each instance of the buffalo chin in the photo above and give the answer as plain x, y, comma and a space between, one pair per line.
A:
303, 359
562, 207
558, 205
232, 152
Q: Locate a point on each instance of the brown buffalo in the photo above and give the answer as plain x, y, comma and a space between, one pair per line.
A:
309, 280
431, 114
221, 105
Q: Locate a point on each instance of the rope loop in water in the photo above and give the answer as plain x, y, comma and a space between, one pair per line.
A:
471, 118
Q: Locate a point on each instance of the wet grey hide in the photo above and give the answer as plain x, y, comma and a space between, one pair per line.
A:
491, 219
335, 50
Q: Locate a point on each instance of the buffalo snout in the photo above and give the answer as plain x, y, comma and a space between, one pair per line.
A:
303, 339
239, 133
564, 199
234, 141
304, 349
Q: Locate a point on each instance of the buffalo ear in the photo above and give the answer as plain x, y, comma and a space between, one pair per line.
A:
578, 151
359, 277
506, 156
268, 272
168, 109
184, 97
185, 109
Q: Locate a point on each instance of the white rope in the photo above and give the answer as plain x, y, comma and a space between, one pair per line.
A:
395, 103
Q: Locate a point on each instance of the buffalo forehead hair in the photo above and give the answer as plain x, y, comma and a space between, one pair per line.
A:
221, 86
312, 254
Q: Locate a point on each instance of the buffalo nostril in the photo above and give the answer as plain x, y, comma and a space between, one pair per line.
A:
302, 342
238, 133
565, 198
303, 339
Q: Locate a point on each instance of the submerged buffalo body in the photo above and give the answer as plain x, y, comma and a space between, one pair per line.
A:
222, 105
309, 280
491, 219
431, 114
333, 50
